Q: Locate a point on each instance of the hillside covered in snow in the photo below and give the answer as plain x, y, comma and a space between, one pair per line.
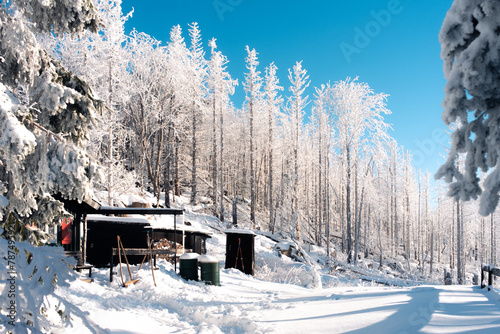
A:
295, 292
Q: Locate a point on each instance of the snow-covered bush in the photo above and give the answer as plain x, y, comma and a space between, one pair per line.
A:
272, 266
28, 278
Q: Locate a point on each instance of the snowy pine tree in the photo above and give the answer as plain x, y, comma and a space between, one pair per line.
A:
470, 44
42, 136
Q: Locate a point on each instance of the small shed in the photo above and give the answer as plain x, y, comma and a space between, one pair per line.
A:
240, 250
105, 224
102, 232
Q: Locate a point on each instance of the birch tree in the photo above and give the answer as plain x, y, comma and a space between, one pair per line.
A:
178, 102
297, 102
252, 85
197, 92
148, 111
221, 86
358, 118
273, 104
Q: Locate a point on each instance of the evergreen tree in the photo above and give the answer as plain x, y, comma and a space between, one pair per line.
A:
44, 127
470, 40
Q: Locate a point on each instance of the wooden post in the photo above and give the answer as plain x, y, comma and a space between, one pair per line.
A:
490, 279
482, 277
84, 242
126, 260
175, 243
111, 267
151, 260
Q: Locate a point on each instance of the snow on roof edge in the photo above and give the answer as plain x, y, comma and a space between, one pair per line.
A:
239, 231
126, 220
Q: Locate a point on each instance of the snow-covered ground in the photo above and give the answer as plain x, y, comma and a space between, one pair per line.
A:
244, 304
284, 296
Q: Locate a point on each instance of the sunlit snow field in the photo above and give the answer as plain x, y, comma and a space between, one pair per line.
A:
246, 304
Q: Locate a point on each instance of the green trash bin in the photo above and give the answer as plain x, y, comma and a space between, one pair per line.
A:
209, 270
188, 266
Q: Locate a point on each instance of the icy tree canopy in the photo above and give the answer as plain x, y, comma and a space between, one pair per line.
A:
470, 43
45, 111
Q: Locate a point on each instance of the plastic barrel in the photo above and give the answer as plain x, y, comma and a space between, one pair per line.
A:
188, 266
209, 270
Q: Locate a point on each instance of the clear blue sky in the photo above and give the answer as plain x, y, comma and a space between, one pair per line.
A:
390, 44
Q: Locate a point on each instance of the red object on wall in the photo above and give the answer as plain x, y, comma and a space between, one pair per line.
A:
66, 231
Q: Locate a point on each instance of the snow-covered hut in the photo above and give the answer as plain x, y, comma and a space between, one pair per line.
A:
240, 250
94, 229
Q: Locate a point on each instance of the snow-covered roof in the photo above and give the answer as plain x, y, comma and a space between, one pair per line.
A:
128, 200
167, 223
119, 220
239, 231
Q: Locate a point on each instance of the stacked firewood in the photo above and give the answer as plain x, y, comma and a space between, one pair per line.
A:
167, 244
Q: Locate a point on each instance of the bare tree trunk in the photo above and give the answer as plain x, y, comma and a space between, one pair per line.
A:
459, 246
367, 227
270, 180
221, 159
295, 206
110, 136
409, 230
320, 178
342, 215
348, 206
419, 226
453, 245
270, 170
327, 206
166, 177
432, 252
356, 212
177, 181
214, 158
252, 167
396, 223
492, 240
193, 156
381, 258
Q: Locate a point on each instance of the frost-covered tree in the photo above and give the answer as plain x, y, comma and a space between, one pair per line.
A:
149, 110
46, 113
197, 91
321, 122
178, 102
357, 113
43, 128
272, 104
100, 58
252, 85
221, 86
470, 49
297, 102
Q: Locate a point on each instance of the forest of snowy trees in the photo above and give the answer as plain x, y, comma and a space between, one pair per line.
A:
320, 169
